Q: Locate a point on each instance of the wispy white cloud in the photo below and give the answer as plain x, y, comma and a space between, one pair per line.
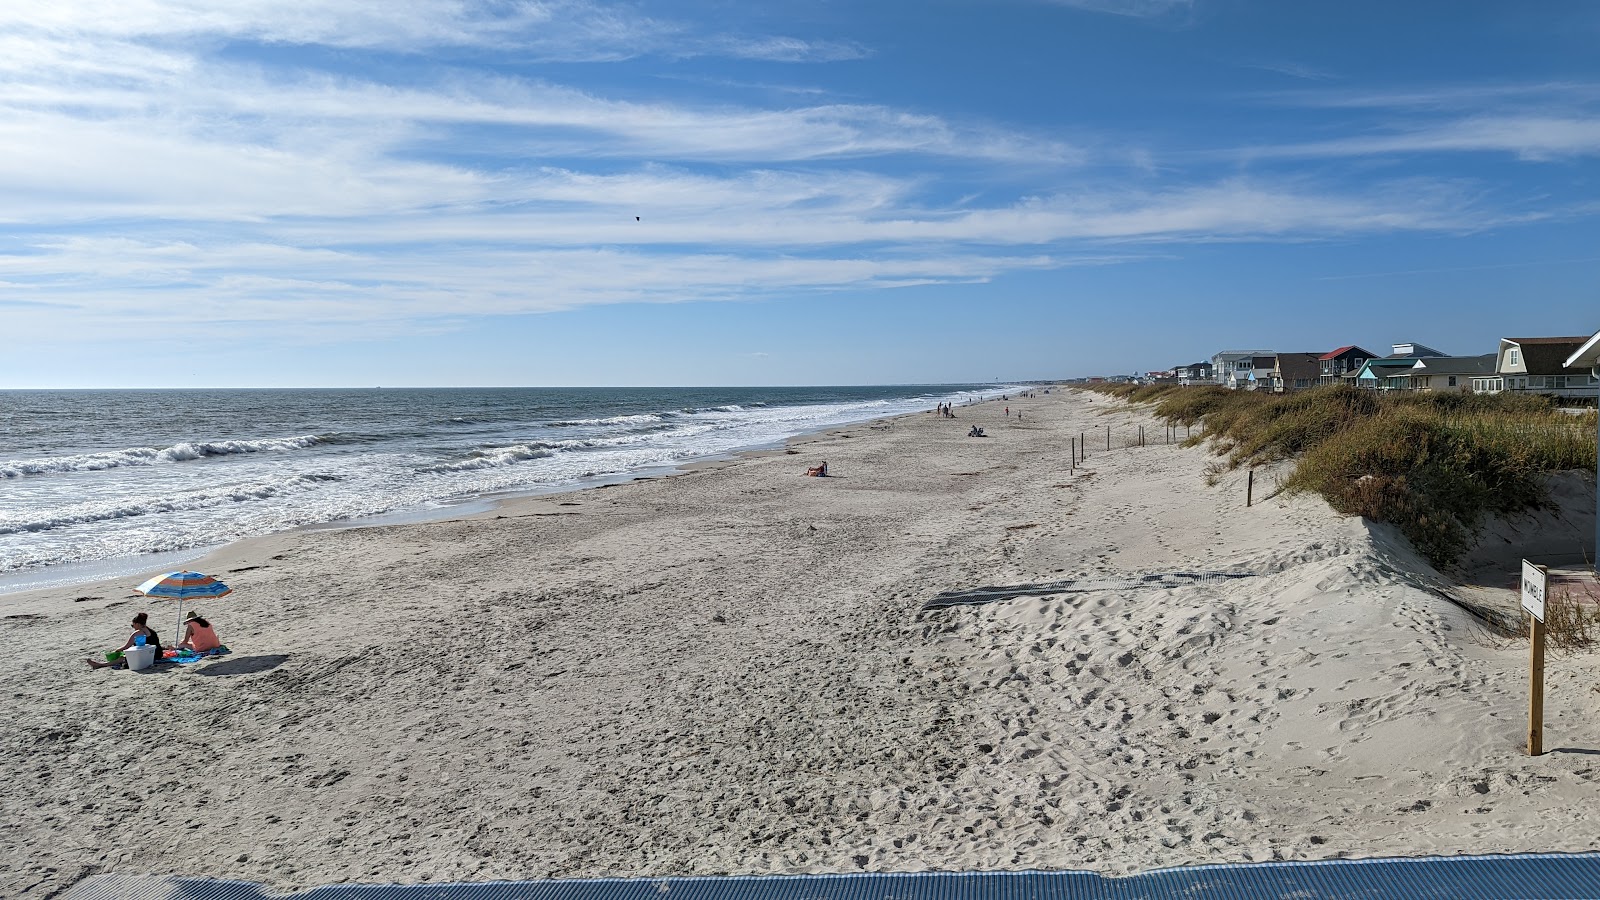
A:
1531, 121
423, 272
1528, 137
1140, 9
1294, 70
545, 30
103, 286
1459, 97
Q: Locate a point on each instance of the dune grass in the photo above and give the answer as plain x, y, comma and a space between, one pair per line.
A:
1433, 464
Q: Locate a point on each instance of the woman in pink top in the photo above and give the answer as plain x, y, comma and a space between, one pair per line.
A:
198, 635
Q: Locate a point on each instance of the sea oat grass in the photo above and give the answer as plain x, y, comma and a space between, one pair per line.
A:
1570, 623
1433, 464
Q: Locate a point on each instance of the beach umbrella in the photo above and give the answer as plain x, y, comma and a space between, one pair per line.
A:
181, 586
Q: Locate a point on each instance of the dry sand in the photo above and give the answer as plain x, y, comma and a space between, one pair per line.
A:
727, 671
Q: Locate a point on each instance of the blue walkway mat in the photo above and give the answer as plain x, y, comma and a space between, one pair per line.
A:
1519, 877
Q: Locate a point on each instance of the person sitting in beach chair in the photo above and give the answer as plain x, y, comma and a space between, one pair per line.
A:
818, 471
141, 628
198, 635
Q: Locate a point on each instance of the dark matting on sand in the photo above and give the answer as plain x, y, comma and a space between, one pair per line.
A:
975, 596
1528, 877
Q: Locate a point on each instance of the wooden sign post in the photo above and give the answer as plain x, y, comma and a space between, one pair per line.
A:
1534, 579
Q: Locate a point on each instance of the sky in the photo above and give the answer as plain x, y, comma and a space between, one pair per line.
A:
310, 193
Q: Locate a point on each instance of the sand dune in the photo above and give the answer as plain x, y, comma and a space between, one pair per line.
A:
729, 670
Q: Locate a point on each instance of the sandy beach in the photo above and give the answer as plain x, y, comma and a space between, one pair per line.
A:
729, 671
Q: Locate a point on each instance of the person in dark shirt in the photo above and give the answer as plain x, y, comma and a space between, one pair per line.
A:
140, 627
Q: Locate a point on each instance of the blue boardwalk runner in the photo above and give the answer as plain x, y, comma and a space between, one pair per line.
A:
1513, 877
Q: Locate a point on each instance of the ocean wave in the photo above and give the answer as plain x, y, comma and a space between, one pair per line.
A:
147, 456
641, 419
92, 512
496, 457
490, 459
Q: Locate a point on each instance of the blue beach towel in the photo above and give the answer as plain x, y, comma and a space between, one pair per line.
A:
188, 657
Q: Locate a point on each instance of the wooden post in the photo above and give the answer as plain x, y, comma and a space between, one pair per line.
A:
1083, 446
1141, 435
1250, 488
1108, 438
1536, 690
1535, 587
1074, 454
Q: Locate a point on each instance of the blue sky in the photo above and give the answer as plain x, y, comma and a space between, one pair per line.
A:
442, 192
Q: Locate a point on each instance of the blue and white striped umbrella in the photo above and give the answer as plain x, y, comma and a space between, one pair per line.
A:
181, 586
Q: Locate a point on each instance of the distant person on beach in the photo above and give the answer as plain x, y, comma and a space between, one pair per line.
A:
818, 471
198, 635
140, 627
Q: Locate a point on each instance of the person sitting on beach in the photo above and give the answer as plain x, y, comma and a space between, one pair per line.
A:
198, 635
140, 628
976, 432
818, 471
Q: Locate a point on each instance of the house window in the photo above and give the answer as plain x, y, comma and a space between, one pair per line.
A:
1452, 381
1514, 357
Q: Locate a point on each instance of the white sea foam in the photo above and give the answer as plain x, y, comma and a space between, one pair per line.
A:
145, 456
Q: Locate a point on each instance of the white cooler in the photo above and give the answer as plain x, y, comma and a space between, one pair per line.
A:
140, 657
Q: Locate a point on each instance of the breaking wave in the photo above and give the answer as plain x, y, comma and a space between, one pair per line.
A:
148, 456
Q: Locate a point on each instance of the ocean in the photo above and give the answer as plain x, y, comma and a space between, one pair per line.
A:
103, 483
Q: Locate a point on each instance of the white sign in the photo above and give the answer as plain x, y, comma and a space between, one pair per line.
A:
1533, 581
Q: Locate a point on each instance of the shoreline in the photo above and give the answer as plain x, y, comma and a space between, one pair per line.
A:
88, 573
730, 670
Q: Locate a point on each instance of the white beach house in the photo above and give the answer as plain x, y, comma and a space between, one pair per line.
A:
1539, 365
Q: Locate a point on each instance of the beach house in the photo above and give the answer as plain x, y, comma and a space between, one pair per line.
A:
1296, 371
1393, 372
1195, 373
1335, 365
1237, 368
1538, 365
1444, 373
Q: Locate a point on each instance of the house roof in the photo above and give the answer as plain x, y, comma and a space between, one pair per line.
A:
1296, 366
1388, 366
1458, 365
1343, 350
1548, 355
1588, 354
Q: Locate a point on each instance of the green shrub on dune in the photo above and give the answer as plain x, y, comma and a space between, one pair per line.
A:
1433, 464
